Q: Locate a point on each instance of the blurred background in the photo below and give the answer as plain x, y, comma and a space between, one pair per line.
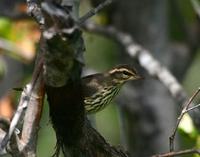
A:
169, 29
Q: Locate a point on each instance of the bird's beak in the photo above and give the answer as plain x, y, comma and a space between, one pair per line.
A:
139, 77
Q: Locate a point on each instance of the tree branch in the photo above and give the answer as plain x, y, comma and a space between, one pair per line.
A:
94, 11
179, 153
185, 110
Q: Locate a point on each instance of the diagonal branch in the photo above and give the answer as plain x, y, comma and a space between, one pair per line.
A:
94, 11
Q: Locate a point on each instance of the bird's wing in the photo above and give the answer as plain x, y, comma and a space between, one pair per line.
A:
91, 84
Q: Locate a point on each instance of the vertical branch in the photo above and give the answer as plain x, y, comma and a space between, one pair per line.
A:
32, 119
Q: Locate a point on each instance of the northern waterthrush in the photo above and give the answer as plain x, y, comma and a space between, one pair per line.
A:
100, 89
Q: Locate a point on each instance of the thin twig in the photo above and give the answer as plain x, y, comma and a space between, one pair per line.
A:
179, 153
184, 110
192, 108
94, 11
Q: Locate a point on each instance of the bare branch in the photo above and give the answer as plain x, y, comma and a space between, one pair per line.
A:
192, 108
32, 119
179, 153
184, 110
94, 11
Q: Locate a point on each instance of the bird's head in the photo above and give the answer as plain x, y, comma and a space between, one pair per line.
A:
122, 73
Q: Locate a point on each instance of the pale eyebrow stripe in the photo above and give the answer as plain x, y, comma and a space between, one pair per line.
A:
120, 70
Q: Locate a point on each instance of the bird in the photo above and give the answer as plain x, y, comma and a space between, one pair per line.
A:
100, 89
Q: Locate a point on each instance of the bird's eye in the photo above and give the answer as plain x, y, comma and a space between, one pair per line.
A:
126, 73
